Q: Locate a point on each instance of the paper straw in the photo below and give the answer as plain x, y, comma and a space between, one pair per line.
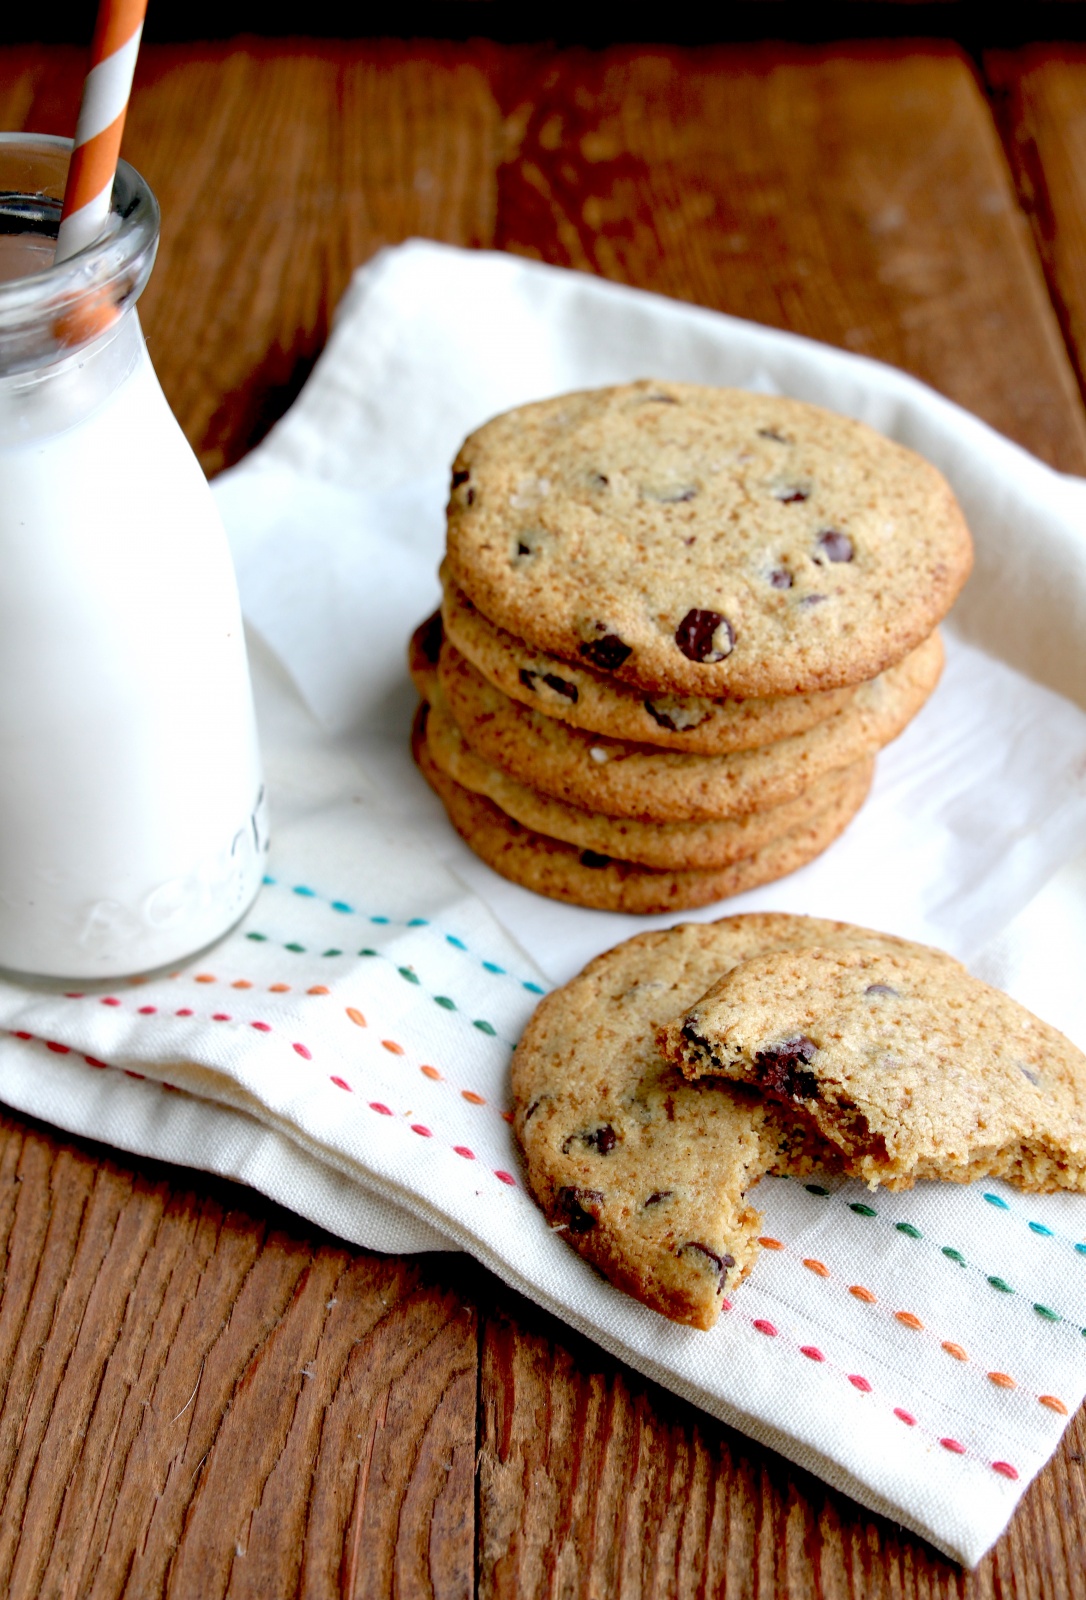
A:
101, 123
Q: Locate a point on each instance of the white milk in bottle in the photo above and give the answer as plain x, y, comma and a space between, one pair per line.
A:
131, 807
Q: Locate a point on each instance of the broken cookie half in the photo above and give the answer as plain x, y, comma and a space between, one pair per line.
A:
907, 1066
641, 1171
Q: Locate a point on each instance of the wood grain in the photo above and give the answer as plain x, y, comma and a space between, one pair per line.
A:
860, 198
1040, 97
202, 1399
200, 1396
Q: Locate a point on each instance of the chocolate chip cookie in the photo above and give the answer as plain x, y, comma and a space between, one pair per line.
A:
645, 1173
707, 542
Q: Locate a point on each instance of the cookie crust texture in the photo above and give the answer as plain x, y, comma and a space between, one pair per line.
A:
911, 1069
585, 878
625, 779
645, 1173
587, 699
671, 845
708, 542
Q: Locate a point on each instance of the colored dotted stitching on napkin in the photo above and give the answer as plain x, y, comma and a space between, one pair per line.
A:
344, 909
431, 1072
419, 1128
300, 1049
864, 1386
909, 1319
1038, 1229
993, 1280
409, 975
424, 1132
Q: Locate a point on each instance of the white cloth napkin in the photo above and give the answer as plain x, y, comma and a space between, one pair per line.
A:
346, 1049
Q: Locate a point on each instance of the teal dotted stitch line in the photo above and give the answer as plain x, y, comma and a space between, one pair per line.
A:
408, 974
998, 1284
414, 922
1035, 1227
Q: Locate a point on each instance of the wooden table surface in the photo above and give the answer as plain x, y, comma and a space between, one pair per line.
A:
201, 1395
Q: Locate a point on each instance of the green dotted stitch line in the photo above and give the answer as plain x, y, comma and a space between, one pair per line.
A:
1000, 1285
344, 909
408, 974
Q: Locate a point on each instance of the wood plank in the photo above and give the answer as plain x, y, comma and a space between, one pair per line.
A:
201, 1397
859, 197
1040, 98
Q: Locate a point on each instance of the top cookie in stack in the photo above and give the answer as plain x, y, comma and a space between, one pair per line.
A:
679, 623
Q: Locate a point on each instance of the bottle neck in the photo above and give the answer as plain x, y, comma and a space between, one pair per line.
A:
45, 400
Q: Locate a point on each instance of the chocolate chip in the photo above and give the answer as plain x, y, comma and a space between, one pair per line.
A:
598, 480
780, 1069
835, 545
602, 1139
592, 858
469, 498
560, 686
523, 549
431, 637
608, 652
657, 1195
534, 1107
1027, 1073
881, 988
675, 716
780, 578
662, 399
812, 599
792, 497
572, 1202
461, 475
720, 1262
527, 678
675, 497
705, 636
771, 433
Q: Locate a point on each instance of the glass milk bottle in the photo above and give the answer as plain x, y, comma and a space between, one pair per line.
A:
132, 829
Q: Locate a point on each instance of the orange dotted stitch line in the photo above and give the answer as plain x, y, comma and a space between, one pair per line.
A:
427, 1071
909, 1319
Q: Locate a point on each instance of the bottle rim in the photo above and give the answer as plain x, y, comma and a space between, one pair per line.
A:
61, 307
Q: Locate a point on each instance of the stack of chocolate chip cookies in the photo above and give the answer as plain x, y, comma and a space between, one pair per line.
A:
678, 623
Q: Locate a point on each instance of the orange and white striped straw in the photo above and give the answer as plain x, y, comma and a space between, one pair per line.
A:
98, 131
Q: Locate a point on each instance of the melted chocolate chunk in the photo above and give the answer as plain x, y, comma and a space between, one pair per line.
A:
781, 578
560, 686
834, 545
599, 480
880, 988
705, 636
432, 637
603, 1139
660, 717
534, 1107
657, 1195
792, 497
571, 1204
607, 652
527, 678
469, 498
675, 497
459, 477
662, 399
1027, 1073
780, 1069
771, 433
523, 549
720, 1262
812, 599
592, 858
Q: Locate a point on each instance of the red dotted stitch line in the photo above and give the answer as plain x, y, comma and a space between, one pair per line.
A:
909, 1319
427, 1133
186, 1011
858, 1381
